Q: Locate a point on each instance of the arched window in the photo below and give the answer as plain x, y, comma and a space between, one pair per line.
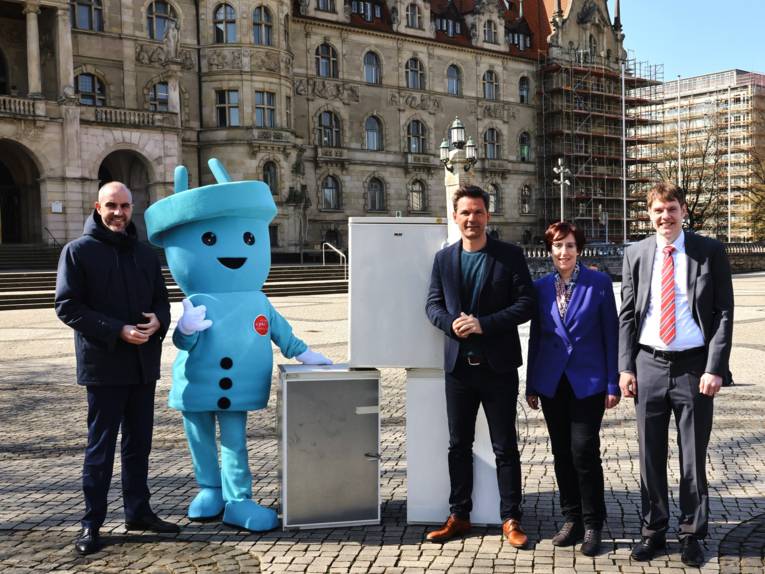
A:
325, 5
160, 15
373, 133
490, 32
287, 31
491, 144
224, 23
417, 197
415, 74
494, 197
372, 68
159, 97
87, 15
262, 26
376, 194
593, 47
453, 80
526, 199
490, 85
271, 177
523, 90
330, 193
329, 130
413, 16
415, 137
326, 61
90, 90
524, 146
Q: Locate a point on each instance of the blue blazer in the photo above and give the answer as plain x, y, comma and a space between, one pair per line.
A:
584, 346
506, 300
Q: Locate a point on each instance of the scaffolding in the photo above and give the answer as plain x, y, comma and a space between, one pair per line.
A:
600, 118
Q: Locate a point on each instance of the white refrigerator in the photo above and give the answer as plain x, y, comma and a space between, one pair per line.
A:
390, 265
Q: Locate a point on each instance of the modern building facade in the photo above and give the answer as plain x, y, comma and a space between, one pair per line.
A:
339, 106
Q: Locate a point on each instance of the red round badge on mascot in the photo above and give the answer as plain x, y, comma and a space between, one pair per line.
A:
260, 324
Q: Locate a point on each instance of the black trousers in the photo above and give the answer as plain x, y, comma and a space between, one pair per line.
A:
467, 388
109, 407
574, 428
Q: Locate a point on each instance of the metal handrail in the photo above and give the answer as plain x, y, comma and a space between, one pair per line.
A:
55, 243
343, 258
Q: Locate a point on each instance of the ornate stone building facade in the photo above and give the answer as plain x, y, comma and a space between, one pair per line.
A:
339, 105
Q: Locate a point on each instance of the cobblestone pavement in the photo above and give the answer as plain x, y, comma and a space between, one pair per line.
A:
42, 433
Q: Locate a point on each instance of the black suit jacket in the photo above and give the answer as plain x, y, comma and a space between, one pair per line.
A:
507, 299
710, 296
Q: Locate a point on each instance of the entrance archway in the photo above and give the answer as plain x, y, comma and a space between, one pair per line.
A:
130, 168
20, 217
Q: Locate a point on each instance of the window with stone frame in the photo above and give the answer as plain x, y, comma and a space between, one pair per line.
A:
415, 137
495, 196
90, 90
525, 200
325, 5
491, 144
454, 80
160, 15
523, 90
415, 74
262, 26
367, 9
328, 132
159, 97
265, 109
271, 177
490, 32
524, 147
227, 108
224, 24
376, 195
373, 133
87, 15
288, 111
490, 85
413, 16
418, 201
330, 193
326, 61
372, 71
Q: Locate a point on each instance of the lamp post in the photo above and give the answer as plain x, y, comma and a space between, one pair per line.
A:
456, 152
562, 172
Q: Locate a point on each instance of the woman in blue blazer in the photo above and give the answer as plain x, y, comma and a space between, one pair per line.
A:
572, 368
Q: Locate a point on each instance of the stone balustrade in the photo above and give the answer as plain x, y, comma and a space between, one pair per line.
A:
127, 117
20, 106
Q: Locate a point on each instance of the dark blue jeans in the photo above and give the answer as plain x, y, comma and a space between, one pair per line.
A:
109, 407
468, 387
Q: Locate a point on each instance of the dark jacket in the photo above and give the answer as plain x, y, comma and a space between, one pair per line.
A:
105, 281
506, 300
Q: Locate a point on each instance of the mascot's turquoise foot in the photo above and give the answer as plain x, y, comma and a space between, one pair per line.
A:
207, 505
250, 516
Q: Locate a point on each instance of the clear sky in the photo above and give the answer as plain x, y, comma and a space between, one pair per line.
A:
694, 37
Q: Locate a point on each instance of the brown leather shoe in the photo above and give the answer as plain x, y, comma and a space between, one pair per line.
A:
514, 533
452, 528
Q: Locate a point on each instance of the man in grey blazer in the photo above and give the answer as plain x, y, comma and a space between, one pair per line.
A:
675, 334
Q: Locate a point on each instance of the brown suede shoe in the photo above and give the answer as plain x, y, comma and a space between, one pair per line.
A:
514, 533
452, 528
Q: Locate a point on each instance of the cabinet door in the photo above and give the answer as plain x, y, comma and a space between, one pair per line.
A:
331, 441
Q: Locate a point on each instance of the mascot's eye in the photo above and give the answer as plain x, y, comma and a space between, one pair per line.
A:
208, 238
249, 238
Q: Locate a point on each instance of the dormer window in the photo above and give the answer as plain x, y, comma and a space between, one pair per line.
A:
448, 26
520, 41
366, 10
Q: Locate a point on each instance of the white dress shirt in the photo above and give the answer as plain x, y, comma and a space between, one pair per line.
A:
687, 332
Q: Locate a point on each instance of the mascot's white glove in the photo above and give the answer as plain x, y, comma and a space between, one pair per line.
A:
193, 318
309, 357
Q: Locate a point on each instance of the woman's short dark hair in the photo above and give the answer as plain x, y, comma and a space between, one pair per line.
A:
560, 230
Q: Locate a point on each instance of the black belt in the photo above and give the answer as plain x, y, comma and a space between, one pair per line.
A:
673, 355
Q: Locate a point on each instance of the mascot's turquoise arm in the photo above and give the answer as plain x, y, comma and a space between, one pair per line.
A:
282, 336
185, 342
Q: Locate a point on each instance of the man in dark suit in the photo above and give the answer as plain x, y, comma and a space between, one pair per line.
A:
480, 291
675, 334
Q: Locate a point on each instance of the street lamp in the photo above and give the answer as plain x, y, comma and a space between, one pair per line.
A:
562, 172
457, 138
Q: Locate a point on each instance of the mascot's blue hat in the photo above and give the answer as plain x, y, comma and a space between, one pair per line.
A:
251, 199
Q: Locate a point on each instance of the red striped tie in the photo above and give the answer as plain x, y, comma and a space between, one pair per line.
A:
667, 328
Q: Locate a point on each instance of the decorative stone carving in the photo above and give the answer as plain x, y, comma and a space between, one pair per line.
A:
172, 46
268, 61
148, 54
501, 112
424, 102
29, 130
327, 90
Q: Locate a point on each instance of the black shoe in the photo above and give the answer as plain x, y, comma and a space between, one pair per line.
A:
153, 523
692, 554
591, 544
647, 548
87, 541
569, 534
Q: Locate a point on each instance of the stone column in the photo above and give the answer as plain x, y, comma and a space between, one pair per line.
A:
453, 180
64, 60
31, 10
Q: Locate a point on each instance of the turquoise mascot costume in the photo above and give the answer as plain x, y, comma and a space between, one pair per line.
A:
217, 247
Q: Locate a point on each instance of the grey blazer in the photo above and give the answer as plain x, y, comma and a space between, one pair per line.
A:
710, 293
